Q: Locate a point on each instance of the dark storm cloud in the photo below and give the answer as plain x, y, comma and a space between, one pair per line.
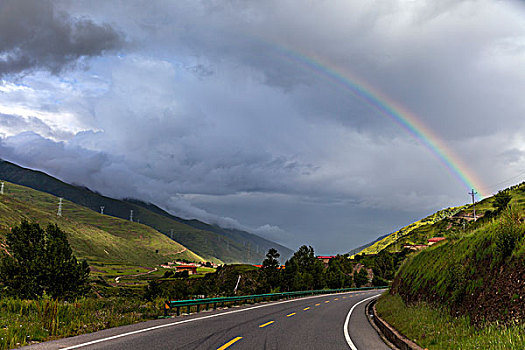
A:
35, 35
215, 113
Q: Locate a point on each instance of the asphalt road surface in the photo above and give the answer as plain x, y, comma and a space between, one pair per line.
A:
316, 322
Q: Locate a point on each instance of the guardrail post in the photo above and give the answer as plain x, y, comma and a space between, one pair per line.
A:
215, 306
166, 308
198, 308
178, 310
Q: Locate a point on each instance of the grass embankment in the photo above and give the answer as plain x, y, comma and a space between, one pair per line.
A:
467, 293
434, 328
480, 275
24, 322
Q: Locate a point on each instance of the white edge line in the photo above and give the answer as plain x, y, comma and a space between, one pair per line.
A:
347, 321
196, 319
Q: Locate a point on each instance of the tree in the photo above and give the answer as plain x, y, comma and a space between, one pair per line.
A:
304, 271
39, 261
270, 268
501, 200
383, 265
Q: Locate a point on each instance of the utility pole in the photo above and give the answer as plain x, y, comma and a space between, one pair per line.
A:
102, 210
2, 188
59, 212
131, 215
473, 193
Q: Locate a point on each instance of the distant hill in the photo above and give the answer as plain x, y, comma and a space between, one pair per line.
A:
364, 246
94, 237
209, 241
449, 222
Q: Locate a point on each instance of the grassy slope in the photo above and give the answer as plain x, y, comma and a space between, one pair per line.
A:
94, 237
445, 223
416, 232
469, 291
480, 274
210, 242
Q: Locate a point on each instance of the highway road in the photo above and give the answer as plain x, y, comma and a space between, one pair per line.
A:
335, 321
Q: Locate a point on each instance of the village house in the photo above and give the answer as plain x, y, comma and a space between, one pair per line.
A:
192, 270
435, 240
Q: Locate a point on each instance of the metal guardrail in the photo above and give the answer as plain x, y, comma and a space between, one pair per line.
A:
222, 301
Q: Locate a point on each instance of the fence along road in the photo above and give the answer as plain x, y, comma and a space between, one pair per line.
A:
314, 322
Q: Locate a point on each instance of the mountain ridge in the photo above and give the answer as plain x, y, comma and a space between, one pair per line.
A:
210, 242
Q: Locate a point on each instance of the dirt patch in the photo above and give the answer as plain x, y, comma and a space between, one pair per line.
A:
502, 297
94, 269
499, 297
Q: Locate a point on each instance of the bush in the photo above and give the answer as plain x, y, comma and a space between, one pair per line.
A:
361, 278
379, 282
507, 234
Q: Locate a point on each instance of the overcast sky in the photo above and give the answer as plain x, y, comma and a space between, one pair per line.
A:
207, 109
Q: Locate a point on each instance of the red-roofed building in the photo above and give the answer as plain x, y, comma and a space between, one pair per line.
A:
192, 270
435, 240
326, 259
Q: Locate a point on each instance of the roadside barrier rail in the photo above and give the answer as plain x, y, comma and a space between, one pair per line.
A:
221, 301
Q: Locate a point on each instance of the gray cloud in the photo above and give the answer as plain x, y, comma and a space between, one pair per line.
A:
216, 113
35, 35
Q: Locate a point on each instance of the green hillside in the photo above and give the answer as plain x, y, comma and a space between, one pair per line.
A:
414, 233
449, 223
480, 274
94, 237
210, 242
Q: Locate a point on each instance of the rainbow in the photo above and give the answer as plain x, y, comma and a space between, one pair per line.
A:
392, 110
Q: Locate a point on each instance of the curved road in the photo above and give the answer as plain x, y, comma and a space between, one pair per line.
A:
316, 322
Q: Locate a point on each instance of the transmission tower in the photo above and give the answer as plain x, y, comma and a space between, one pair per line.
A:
131, 215
59, 211
473, 193
102, 210
2, 188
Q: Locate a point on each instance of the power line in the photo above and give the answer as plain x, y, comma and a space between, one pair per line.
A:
505, 181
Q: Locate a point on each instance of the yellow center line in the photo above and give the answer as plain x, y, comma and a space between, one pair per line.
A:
290, 315
344, 297
327, 301
266, 324
306, 308
228, 344
317, 304
336, 299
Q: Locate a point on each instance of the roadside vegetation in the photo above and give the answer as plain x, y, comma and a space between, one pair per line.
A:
467, 292
24, 322
435, 328
45, 293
